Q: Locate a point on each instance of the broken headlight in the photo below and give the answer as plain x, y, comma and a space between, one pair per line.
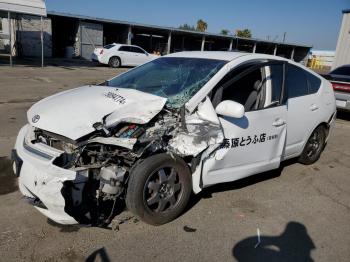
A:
130, 131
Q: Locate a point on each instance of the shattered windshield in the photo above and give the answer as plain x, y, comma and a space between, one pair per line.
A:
175, 78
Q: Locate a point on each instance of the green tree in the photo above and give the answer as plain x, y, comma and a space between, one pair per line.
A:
244, 33
224, 32
201, 25
187, 27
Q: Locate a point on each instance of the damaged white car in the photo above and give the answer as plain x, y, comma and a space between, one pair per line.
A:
156, 133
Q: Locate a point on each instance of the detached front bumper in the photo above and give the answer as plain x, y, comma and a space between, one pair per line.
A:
41, 180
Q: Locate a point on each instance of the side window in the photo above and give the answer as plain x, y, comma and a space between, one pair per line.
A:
246, 90
0, 24
296, 82
276, 77
136, 50
314, 82
248, 85
124, 48
108, 46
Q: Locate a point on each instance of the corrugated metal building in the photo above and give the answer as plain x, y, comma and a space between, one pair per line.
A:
66, 33
342, 54
84, 33
12, 34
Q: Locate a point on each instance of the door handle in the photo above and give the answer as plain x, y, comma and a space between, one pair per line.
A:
278, 122
313, 107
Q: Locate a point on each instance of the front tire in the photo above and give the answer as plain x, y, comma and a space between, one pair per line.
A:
314, 146
114, 62
159, 189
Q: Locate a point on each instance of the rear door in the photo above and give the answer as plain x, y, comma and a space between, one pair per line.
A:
254, 143
304, 108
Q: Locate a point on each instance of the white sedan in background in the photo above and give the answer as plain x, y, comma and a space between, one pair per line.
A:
177, 124
116, 55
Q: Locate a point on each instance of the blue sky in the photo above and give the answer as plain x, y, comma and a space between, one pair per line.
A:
314, 22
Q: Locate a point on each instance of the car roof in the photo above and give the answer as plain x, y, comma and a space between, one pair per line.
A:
219, 55
348, 65
118, 44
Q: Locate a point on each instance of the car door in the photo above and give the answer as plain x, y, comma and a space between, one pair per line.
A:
140, 55
255, 142
127, 56
303, 110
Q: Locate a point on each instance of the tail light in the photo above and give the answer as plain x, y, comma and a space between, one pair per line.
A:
101, 52
341, 87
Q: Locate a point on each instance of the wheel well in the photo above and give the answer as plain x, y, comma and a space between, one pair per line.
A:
326, 127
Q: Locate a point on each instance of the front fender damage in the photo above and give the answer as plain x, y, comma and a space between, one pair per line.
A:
104, 159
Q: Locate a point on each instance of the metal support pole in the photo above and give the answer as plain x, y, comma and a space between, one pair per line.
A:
81, 38
203, 43
292, 54
42, 41
254, 48
129, 35
169, 43
275, 50
231, 44
10, 34
151, 43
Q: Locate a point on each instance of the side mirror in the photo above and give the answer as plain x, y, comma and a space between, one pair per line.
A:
230, 108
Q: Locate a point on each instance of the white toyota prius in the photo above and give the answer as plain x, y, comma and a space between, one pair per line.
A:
173, 126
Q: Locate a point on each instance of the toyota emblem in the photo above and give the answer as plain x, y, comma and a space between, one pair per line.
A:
35, 118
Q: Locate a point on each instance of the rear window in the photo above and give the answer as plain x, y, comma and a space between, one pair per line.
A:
108, 46
344, 70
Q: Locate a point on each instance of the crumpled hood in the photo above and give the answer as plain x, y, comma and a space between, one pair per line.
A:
72, 113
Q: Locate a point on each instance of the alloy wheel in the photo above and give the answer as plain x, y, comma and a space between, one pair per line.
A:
163, 190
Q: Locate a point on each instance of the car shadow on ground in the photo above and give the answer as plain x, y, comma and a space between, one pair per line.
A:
245, 182
294, 244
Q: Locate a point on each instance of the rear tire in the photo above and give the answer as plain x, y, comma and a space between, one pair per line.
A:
114, 62
159, 189
314, 146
